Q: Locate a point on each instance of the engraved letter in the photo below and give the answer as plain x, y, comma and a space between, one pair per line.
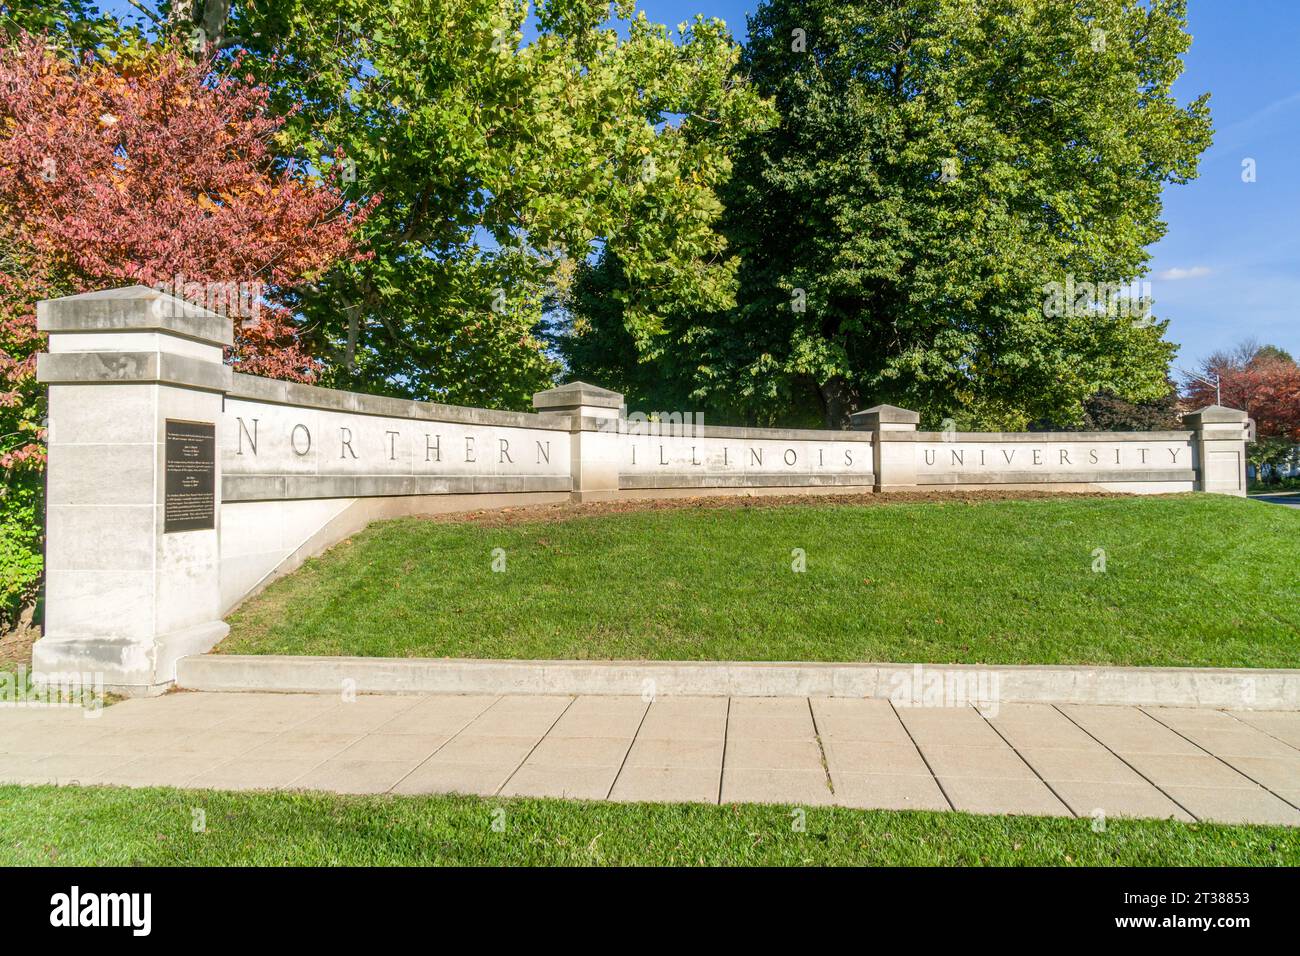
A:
293, 440
345, 437
252, 436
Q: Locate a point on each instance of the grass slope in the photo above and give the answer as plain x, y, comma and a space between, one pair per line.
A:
117, 826
1189, 580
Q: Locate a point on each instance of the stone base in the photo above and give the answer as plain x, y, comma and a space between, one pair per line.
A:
131, 668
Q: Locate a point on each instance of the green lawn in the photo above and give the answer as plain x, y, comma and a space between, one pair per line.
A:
118, 826
1189, 580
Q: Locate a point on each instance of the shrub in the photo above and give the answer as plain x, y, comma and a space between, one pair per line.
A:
21, 507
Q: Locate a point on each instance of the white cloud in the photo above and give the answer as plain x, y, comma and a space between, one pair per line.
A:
1173, 275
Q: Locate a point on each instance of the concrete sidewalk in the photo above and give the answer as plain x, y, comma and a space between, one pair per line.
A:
1067, 760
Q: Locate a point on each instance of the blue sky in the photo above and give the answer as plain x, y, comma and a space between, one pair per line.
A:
1229, 265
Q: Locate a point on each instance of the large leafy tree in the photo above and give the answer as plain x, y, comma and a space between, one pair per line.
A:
503, 164
140, 170
149, 169
510, 141
942, 218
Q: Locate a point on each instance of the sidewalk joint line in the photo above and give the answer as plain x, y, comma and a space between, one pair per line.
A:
1247, 723
1118, 756
533, 749
821, 748
1032, 768
1211, 753
362, 736
450, 738
726, 731
630, 744
921, 753
281, 733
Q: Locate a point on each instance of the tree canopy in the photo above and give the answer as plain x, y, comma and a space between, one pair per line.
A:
948, 214
502, 163
1261, 380
147, 169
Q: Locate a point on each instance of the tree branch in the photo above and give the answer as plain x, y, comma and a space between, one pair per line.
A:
155, 17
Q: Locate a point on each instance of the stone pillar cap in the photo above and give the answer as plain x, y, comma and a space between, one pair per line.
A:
1214, 415
575, 394
886, 413
135, 308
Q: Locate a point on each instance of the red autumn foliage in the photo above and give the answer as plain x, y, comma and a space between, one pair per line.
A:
1262, 383
140, 172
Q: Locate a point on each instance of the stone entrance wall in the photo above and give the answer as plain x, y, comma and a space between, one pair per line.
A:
178, 487
303, 467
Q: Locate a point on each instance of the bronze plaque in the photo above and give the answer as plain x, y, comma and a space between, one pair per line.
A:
190, 492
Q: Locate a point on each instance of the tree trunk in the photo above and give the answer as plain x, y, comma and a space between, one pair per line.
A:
839, 399
210, 16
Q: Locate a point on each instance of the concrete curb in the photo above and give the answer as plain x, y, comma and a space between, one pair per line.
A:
916, 684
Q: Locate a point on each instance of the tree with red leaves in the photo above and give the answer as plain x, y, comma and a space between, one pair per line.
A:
144, 171
1263, 381
154, 170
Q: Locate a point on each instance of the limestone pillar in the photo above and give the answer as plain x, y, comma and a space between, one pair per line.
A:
893, 445
596, 417
1219, 449
136, 384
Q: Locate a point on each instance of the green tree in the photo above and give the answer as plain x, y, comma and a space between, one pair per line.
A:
75, 27
950, 208
1106, 411
502, 165
599, 343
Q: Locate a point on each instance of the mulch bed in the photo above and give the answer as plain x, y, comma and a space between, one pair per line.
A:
16, 645
501, 517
